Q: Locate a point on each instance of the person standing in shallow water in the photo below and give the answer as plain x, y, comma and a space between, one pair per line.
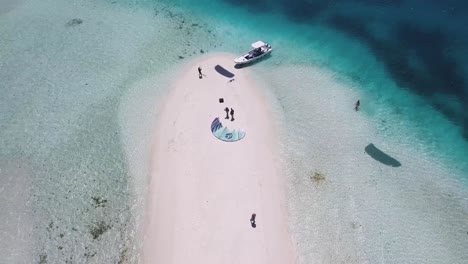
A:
358, 104
232, 114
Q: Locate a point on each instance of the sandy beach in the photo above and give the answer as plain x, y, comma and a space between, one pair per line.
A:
203, 191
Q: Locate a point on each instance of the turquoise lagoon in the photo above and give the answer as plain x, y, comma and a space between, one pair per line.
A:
81, 83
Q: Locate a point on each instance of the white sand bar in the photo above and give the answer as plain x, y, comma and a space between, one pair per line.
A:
203, 190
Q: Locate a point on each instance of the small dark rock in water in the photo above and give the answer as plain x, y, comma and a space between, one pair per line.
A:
123, 257
317, 177
98, 229
74, 22
202, 51
99, 202
181, 57
43, 259
88, 255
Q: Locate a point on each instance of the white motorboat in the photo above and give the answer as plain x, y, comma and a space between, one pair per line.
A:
261, 49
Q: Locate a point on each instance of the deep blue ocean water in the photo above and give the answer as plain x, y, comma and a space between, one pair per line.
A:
421, 44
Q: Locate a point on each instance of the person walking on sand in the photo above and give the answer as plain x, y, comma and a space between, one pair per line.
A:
227, 112
358, 104
252, 220
232, 114
200, 75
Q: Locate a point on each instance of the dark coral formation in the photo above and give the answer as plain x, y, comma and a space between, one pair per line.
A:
98, 229
74, 22
317, 177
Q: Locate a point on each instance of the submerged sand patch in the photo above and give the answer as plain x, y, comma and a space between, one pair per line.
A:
8, 5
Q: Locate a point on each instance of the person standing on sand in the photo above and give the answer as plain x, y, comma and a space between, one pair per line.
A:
356, 107
200, 75
227, 112
252, 220
232, 114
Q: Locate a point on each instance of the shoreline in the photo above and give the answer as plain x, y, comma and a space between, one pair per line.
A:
199, 203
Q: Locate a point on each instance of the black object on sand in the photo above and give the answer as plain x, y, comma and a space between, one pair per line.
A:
223, 71
221, 100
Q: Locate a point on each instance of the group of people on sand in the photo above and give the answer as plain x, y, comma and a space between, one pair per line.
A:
230, 112
200, 75
227, 113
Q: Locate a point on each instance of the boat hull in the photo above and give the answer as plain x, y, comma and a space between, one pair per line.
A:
243, 60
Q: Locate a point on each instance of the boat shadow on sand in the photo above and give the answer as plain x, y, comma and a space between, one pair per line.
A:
381, 156
240, 66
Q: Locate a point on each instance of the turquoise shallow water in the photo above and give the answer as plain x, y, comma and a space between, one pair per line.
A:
312, 41
81, 83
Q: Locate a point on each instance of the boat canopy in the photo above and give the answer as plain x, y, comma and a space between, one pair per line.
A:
258, 44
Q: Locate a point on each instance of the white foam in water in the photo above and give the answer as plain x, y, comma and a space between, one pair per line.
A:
81, 85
